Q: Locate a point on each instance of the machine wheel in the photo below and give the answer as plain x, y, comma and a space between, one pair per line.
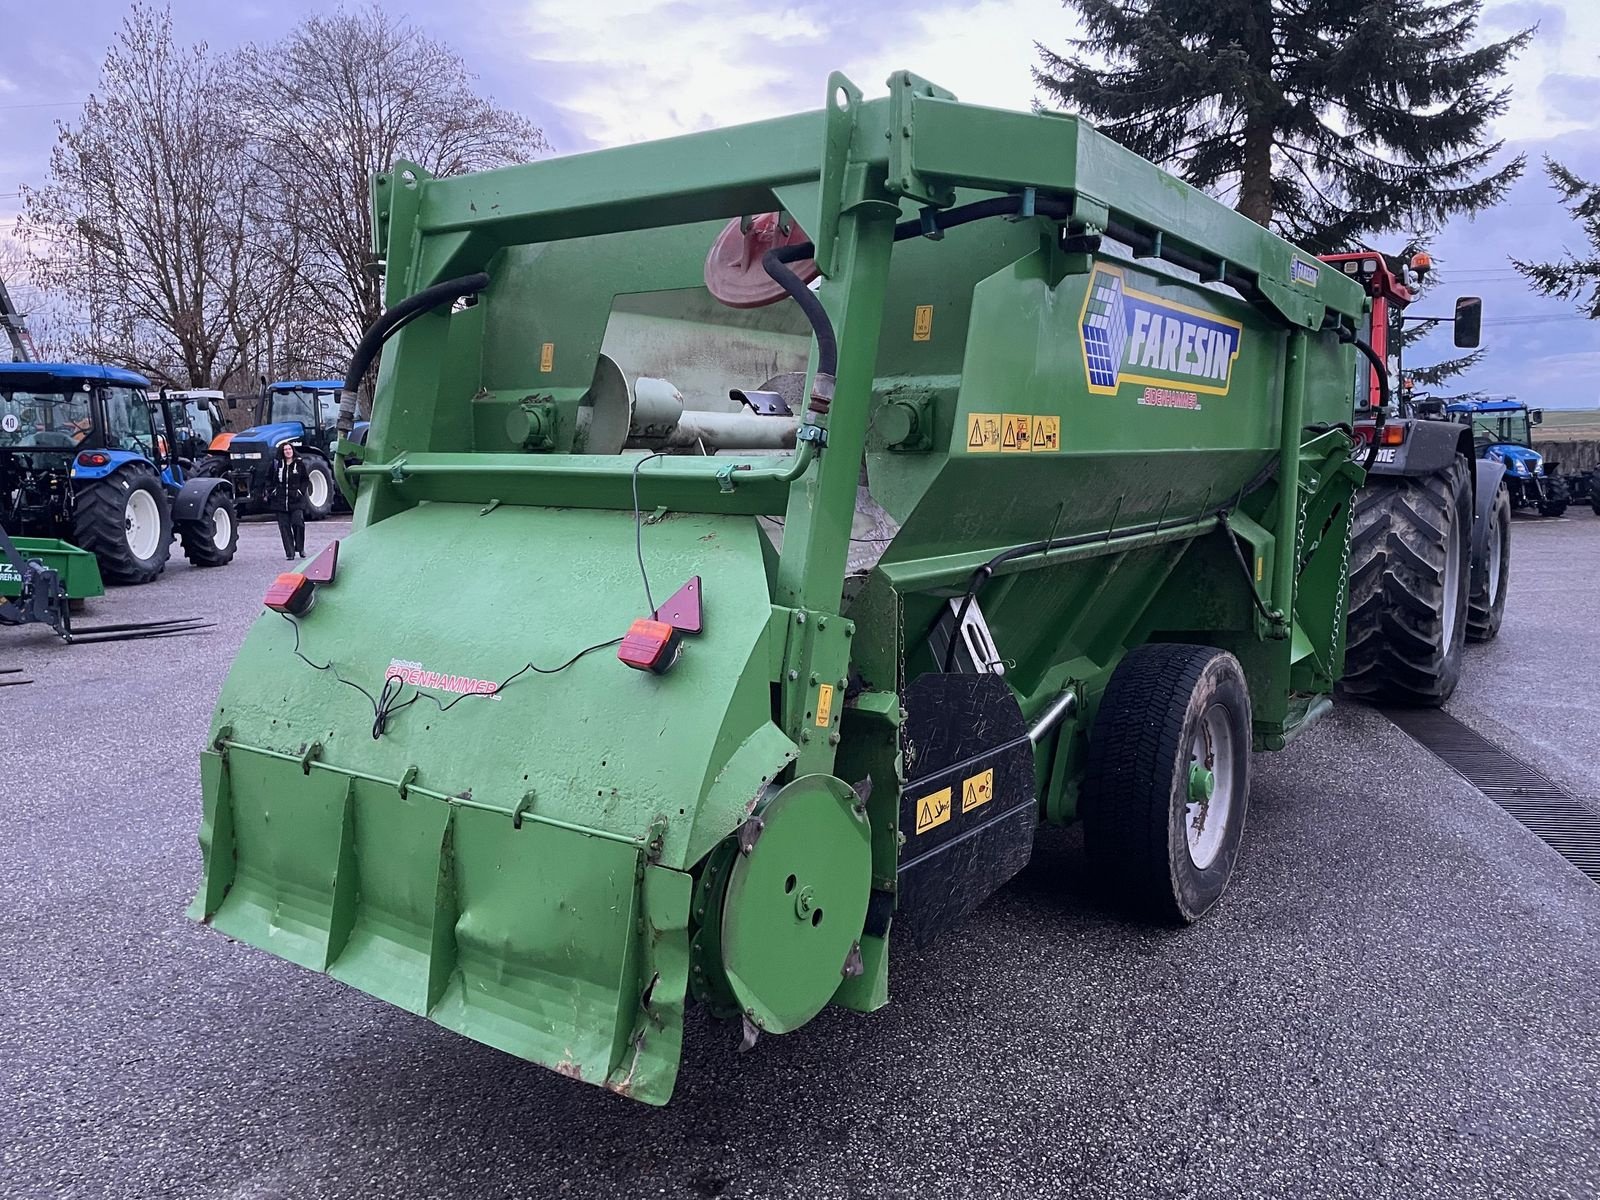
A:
1167, 781
1556, 496
211, 539
125, 521
1410, 560
320, 490
1594, 493
1486, 605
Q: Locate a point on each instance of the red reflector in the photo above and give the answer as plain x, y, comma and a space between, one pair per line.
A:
93, 458
650, 646
291, 593
1393, 435
321, 568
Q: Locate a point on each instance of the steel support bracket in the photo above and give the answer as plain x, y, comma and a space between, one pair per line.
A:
842, 103
904, 180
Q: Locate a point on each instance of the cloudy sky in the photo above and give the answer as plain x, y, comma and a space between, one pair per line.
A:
609, 71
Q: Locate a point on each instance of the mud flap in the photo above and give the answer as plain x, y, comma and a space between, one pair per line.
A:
563, 948
969, 811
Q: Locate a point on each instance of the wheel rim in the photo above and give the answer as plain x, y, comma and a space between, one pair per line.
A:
318, 491
141, 524
1452, 586
1497, 541
1212, 782
221, 528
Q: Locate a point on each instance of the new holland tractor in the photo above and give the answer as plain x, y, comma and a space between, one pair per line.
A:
1430, 551
1502, 432
298, 411
88, 457
608, 705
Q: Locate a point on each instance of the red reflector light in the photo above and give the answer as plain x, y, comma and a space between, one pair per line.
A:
291, 593
650, 646
321, 569
93, 458
1393, 435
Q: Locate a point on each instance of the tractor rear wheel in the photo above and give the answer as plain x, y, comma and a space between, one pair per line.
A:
1410, 571
1167, 781
319, 487
1486, 605
211, 538
1556, 496
125, 521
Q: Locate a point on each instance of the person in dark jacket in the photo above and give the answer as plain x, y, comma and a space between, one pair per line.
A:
286, 497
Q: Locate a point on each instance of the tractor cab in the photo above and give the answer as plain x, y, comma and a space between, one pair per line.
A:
1502, 432
302, 412
89, 457
196, 418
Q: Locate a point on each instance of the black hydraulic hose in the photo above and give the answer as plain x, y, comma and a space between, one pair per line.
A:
391, 322
1378, 365
775, 263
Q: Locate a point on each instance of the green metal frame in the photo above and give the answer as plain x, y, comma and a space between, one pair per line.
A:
435, 832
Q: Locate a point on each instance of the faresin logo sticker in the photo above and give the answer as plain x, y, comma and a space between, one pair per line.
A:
1135, 337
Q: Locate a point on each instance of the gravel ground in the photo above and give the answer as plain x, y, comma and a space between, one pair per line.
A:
1400, 996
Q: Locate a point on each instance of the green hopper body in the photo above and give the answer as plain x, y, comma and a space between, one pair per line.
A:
441, 786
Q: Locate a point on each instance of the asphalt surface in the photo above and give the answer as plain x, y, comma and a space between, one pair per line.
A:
1400, 995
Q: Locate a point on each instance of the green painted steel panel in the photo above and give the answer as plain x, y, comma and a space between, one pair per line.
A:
531, 869
80, 573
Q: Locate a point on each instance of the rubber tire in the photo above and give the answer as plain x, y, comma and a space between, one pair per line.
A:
1486, 612
99, 524
1594, 493
1134, 796
1559, 496
1393, 636
199, 536
314, 463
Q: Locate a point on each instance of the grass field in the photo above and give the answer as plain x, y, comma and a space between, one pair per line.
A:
1565, 425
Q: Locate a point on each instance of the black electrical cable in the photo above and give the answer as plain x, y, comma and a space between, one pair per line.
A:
384, 704
638, 531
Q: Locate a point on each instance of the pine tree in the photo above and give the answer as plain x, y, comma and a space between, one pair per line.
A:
1570, 276
1327, 120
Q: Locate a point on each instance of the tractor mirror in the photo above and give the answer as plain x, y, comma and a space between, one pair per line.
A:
233, 403
1536, 416
1469, 321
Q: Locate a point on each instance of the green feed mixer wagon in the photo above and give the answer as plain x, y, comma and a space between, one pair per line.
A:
759, 534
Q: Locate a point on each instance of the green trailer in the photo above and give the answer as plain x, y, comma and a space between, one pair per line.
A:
575, 728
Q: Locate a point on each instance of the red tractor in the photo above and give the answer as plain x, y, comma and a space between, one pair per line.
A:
1430, 549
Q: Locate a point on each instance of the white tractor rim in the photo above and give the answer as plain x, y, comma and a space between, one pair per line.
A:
1452, 586
1497, 539
318, 491
1206, 821
221, 528
141, 524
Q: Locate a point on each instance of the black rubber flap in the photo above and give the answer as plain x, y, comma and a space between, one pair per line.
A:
969, 813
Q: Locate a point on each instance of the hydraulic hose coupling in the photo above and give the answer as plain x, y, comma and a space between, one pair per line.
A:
347, 413
821, 393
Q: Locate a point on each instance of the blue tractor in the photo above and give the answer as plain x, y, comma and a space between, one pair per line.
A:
302, 412
1502, 432
89, 456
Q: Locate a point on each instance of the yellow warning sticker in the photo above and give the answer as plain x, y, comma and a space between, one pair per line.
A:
1260, 563
933, 811
1046, 434
1016, 433
547, 357
977, 790
922, 323
824, 704
983, 433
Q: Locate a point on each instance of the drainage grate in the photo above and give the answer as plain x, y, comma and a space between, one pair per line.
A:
1565, 823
